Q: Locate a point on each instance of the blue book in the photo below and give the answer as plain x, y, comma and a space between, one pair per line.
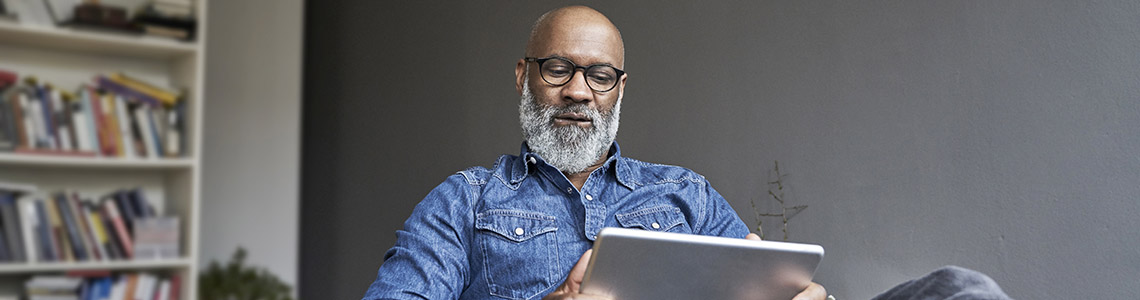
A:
127, 210
43, 233
127, 92
70, 221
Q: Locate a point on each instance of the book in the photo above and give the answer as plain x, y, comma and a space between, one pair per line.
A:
161, 95
14, 239
71, 227
58, 231
95, 222
120, 228
84, 231
29, 224
48, 247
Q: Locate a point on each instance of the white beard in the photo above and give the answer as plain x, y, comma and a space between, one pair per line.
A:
571, 149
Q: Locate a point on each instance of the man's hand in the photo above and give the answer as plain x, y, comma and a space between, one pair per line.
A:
814, 291
569, 288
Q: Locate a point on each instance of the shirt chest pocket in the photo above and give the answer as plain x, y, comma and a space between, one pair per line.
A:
520, 255
663, 218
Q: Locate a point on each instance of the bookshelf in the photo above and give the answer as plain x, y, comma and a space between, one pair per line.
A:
69, 58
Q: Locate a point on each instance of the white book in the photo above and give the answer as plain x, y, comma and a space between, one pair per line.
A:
36, 111
79, 121
29, 220
89, 113
118, 288
142, 117
144, 289
163, 290
125, 128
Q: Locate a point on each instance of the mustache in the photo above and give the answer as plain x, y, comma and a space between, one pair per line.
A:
548, 112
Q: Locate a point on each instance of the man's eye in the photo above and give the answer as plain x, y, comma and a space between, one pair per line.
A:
558, 71
601, 77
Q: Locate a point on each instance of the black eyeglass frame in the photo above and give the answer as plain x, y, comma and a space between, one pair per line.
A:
540, 61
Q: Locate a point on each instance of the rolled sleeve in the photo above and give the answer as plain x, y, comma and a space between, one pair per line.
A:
429, 259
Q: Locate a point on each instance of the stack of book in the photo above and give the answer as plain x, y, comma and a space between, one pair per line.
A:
116, 116
70, 227
170, 18
95, 285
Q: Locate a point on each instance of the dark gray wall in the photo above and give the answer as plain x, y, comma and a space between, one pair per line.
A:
996, 135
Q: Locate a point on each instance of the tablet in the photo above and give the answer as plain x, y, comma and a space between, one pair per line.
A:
630, 264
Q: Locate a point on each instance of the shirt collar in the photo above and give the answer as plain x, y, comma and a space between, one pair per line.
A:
522, 167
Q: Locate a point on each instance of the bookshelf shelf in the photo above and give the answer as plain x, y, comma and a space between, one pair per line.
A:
94, 42
132, 265
124, 265
38, 160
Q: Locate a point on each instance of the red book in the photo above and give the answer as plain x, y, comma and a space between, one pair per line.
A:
124, 238
175, 286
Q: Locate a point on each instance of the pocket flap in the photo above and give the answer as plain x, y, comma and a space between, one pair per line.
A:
657, 218
515, 225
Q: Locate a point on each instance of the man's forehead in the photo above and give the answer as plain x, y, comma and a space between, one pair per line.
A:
580, 34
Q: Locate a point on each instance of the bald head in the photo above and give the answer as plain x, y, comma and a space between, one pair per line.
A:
576, 28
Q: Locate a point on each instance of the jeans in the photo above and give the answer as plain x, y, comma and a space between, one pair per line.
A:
950, 283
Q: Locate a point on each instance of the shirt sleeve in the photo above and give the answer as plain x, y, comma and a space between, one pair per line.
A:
429, 259
720, 219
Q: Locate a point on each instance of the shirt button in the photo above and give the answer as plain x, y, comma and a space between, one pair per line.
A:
588, 197
519, 230
655, 226
532, 160
569, 190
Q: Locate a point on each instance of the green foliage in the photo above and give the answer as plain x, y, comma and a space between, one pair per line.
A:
236, 281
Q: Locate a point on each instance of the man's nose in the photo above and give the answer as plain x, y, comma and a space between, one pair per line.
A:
577, 90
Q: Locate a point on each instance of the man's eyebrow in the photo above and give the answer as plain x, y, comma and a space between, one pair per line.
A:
577, 64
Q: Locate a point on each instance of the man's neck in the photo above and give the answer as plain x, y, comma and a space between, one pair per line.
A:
579, 179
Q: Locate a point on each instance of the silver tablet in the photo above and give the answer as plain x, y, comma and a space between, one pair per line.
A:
630, 264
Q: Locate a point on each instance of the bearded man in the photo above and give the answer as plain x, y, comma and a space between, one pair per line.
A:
516, 230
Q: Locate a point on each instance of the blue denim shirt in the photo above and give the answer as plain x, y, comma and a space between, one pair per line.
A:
515, 230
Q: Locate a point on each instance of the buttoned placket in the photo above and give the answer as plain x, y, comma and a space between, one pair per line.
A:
595, 207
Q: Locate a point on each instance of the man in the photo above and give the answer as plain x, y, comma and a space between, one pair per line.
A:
517, 230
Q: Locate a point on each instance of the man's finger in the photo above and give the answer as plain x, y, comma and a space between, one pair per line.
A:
812, 292
753, 236
574, 280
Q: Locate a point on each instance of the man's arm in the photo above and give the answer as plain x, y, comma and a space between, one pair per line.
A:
429, 259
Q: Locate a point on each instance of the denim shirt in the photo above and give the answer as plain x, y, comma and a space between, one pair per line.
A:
515, 230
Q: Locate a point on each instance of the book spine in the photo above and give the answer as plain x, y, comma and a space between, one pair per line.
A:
142, 118
95, 221
52, 141
49, 248
8, 213
115, 87
91, 113
120, 228
124, 121
71, 227
84, 230
110, 115
19, 107
92, 223
29, 223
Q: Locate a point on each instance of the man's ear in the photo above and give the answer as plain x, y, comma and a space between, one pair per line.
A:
621, 86
520, 75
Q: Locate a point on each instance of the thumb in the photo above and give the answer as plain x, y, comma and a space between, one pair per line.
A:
574, 279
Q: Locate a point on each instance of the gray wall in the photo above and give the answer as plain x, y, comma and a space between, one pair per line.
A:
996, 135
251, 159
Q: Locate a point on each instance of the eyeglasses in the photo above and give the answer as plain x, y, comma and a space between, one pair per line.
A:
558, 71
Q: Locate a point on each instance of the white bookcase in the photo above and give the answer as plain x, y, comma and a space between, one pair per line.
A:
68, 58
